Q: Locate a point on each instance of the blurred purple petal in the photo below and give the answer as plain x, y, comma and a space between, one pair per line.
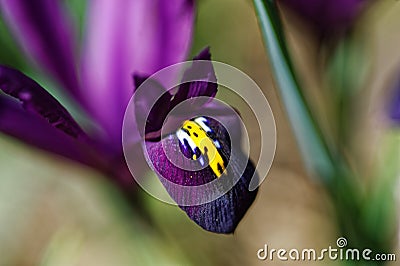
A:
123, 38
221, 215
327, 16
43, 29
177, 17
34, 130
395, 105
37, 100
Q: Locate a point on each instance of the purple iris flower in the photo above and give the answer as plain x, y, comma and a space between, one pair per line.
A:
327, 16
234, 170
122, 39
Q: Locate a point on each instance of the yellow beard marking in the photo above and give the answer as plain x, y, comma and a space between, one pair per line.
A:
206, 146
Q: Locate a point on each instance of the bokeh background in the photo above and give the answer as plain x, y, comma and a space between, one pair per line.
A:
54, 212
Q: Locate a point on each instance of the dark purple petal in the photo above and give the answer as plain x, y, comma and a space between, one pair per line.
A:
148, 96
125, 37
37, 100
43, 122
155, 102
222, 214
206, 81
327, 16
33, 130
43, 29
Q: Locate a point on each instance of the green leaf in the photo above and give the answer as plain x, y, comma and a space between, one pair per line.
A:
379, 207
346, 74
313, 147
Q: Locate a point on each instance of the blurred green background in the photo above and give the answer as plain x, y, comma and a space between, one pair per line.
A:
54, 212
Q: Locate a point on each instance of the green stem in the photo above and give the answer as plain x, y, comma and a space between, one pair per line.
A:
315, 151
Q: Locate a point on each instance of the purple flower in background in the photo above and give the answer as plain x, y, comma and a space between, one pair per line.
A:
327, 16
394, 107
122, 38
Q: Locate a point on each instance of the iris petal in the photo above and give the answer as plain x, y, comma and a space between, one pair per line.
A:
35, 131
122, 38
41, 120
37, 100
202, 83
158, 108
222, 214
44, 30
206, 81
